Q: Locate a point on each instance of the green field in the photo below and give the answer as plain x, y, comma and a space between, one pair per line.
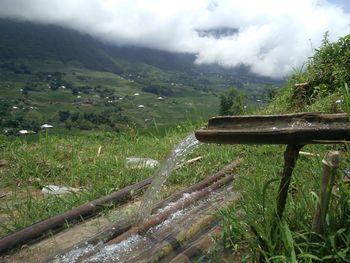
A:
53, 87
73, 97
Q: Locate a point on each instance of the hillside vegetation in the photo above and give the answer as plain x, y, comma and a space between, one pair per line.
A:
325, 76
49, 74
320, 86
96, 163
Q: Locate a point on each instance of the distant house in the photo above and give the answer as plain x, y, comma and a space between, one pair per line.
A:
136, 94
160, 98
14, 107
140, 106
24, 132
46, 126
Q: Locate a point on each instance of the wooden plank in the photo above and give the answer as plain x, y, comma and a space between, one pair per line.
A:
300, 128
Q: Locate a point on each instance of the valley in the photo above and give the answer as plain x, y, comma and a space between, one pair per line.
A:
51, 75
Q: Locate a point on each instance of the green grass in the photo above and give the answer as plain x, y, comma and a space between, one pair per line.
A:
69, 160
185, 103
293, 240
249, 229
72, 160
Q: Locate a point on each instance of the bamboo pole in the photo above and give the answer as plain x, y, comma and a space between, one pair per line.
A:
40, 229
158, 218
167, 247
184, 236
330, 164
200, 246
228, 169
207, 183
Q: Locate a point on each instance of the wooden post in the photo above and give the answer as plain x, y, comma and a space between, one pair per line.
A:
330, 164
290, 157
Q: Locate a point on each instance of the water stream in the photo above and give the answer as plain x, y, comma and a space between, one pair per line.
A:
135, 244
151, 196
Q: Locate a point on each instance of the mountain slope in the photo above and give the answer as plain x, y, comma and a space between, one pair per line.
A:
52, 74
22, 40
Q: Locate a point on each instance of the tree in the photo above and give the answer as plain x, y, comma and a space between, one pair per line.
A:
74, 116
238, 104
232, 102
63, 115
269, 93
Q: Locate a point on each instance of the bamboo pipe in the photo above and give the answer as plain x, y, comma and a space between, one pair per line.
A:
166, 247
184, 236
198, 186
156, 219
200, 246
202, 184
84, 211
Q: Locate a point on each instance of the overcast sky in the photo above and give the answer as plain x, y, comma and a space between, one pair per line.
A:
274, 36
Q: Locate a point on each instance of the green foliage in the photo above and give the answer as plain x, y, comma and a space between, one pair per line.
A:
159, 90
233, 102
63, 115
247, 226
329, 67
326, 73
269, 93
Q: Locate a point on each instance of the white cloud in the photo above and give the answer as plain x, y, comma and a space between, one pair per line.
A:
274, 36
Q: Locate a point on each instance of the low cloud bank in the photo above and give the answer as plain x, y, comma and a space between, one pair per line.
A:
271, 37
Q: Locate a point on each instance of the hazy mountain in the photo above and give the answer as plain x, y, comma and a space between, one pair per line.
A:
23, 40
49, 74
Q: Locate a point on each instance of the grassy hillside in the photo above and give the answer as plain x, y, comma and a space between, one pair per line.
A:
53, 75
68, 96
325, 79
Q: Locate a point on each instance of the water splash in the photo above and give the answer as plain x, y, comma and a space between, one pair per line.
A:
151, 197
121, 251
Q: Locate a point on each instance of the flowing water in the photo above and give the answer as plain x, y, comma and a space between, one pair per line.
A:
151, 197
138, 246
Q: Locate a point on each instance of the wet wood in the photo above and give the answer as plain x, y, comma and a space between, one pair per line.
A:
180, 239
93, 231
59, 222
201, 245
290, 158
300, 128
227, 170
302, 85
191, 161
309, 154
158, 218
330, 165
